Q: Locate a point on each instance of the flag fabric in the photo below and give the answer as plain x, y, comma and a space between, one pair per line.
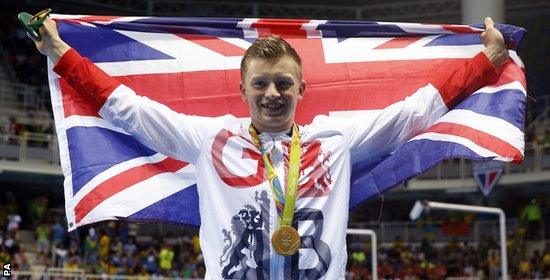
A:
192, 66
487, 174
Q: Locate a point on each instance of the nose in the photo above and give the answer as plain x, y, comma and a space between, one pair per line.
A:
271, 91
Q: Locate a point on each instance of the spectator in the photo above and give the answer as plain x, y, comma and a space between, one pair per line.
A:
73, 262
546, 138
546, 260
104, 242
166, 256
130, 248
494, 264
14, 220
196, 244
14, 129
3, 218
116, 246
11, 205
38, 209
60, 255
49, 130
150, 261
122, 232
58, 233
20, 262
532, 216
359, 257
90, 244
525, 268
9, 245
536, 263
42, 234
546, 219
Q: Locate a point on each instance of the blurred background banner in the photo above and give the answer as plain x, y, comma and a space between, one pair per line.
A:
487, 174
192, 66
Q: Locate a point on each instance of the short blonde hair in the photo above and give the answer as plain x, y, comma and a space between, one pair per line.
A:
271, 47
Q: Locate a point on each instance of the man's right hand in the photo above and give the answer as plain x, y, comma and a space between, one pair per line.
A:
51, 44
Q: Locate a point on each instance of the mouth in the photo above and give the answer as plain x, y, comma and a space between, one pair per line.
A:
273, 107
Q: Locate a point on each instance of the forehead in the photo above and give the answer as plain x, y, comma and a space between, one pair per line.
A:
277, 66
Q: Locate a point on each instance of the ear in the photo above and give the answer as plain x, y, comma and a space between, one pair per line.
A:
243, 91
302, 90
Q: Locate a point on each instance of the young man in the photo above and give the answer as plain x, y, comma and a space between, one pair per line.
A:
263, 215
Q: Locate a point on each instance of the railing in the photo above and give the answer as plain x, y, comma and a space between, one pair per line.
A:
413, 232
37, 147
44, 147
537, 158
66, 273
23, 96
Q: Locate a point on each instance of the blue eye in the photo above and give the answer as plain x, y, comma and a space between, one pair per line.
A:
284, 84
259, 84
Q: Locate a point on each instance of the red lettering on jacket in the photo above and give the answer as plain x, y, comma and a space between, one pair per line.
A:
314, 166
225, 174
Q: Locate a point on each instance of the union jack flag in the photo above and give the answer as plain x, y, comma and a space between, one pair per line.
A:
192, 66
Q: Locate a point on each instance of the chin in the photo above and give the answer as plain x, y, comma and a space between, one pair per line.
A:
275, 124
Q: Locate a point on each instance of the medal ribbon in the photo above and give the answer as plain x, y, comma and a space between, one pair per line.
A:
285, 204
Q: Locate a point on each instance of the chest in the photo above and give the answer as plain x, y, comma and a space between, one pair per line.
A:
238, 163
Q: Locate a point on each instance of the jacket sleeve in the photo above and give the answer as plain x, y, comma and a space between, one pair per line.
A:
153, 124
382, 132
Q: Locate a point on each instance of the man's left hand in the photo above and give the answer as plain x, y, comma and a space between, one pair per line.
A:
492, 39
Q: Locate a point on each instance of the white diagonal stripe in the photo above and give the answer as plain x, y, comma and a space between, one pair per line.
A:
141, 195
89, 121
481, 151
491, 125
113, 171
188, 57
363, 50
513, 85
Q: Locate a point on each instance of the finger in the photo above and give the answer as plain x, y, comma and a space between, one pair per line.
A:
46, 27
29, 35
42, 30
489, 23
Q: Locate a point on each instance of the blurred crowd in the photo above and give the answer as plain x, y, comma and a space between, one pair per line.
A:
11, 126
19, 51
105, 248
25, 65
453, 259
116, 248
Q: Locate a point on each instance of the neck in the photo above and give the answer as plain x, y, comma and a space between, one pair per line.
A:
261, 128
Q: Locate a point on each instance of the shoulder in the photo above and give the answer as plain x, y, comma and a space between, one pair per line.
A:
326, 123
322, 126
214, 125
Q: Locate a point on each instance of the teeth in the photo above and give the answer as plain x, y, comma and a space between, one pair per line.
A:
272, 106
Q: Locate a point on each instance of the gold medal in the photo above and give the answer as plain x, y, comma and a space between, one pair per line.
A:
286, 240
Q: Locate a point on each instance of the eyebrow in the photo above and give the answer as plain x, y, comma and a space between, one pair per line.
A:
277, 75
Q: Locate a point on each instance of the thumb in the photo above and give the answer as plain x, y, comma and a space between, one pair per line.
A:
489, 23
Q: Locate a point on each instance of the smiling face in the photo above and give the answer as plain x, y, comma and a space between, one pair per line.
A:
272, 88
